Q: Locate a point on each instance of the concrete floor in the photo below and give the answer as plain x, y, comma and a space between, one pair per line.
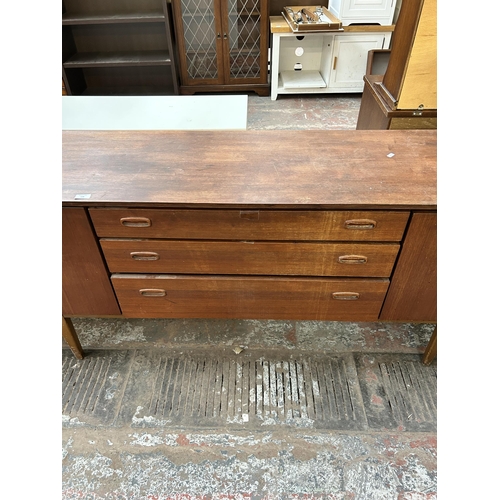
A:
122, 440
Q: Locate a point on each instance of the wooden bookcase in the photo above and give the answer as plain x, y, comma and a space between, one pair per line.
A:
118, 47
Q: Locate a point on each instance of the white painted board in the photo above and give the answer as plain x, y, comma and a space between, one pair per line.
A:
214, 112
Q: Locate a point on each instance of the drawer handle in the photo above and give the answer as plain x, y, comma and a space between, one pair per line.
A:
360, 224
152, 292
353, 259
144, 255
249, 214
345, 295
135, 222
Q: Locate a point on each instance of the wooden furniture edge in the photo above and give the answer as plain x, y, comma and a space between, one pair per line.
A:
278, 24
70, 336
374, 84
430, 353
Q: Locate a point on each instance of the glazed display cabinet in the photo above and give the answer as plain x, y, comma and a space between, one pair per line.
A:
223, 45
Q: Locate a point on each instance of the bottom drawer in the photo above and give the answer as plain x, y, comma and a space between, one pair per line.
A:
176, 296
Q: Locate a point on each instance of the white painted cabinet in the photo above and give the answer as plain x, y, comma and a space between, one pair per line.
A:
363, 11
325, 62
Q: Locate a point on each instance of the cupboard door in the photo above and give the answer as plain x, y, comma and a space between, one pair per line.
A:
86, 289
200, 39
412, 295
244, 34
350, 53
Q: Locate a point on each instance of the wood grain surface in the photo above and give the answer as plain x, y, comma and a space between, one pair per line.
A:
86, 289
174, 296
301, 225
359, 169
413, 292
248, 257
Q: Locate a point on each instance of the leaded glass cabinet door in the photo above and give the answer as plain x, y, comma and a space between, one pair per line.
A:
222, 42
245, 28
199, 36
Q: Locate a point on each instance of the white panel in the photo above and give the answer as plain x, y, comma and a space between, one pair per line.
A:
214, 112
366, 5
334, 7
302, 79
363, 11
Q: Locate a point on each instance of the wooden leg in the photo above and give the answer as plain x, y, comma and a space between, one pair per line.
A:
431, 349
70, 336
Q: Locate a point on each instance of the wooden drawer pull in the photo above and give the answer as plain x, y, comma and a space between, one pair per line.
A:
353, 259
249, 214
135, 222
345, 295
360, 224
152, 292
144, 255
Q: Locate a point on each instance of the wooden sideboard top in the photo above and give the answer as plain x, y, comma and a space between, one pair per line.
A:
277, 168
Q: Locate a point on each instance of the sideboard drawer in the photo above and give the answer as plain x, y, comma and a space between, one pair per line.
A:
306, 225
264, 258
174, 296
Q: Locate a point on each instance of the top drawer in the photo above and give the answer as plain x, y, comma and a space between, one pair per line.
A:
307, 225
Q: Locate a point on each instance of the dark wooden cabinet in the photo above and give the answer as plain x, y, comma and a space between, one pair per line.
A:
223, 45
118, 48
405, 95
350, 235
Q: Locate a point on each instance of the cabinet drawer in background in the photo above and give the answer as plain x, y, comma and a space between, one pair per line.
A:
174, 296
265, 258
306, 225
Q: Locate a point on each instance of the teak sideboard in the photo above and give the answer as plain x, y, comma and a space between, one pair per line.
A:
297, 225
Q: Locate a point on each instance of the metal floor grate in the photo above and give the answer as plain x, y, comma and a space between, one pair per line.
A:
83, 384
398, 391
410, 394
261, 391
147, 388
92, 388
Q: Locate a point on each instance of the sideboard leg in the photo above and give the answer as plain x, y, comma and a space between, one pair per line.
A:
431, 349
70, 336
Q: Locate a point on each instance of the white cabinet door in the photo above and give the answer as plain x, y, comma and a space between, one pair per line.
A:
363, 11
350, 54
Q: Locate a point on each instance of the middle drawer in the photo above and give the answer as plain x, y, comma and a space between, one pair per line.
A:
248, 257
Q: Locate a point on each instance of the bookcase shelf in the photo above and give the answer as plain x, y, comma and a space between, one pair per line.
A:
118, 48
